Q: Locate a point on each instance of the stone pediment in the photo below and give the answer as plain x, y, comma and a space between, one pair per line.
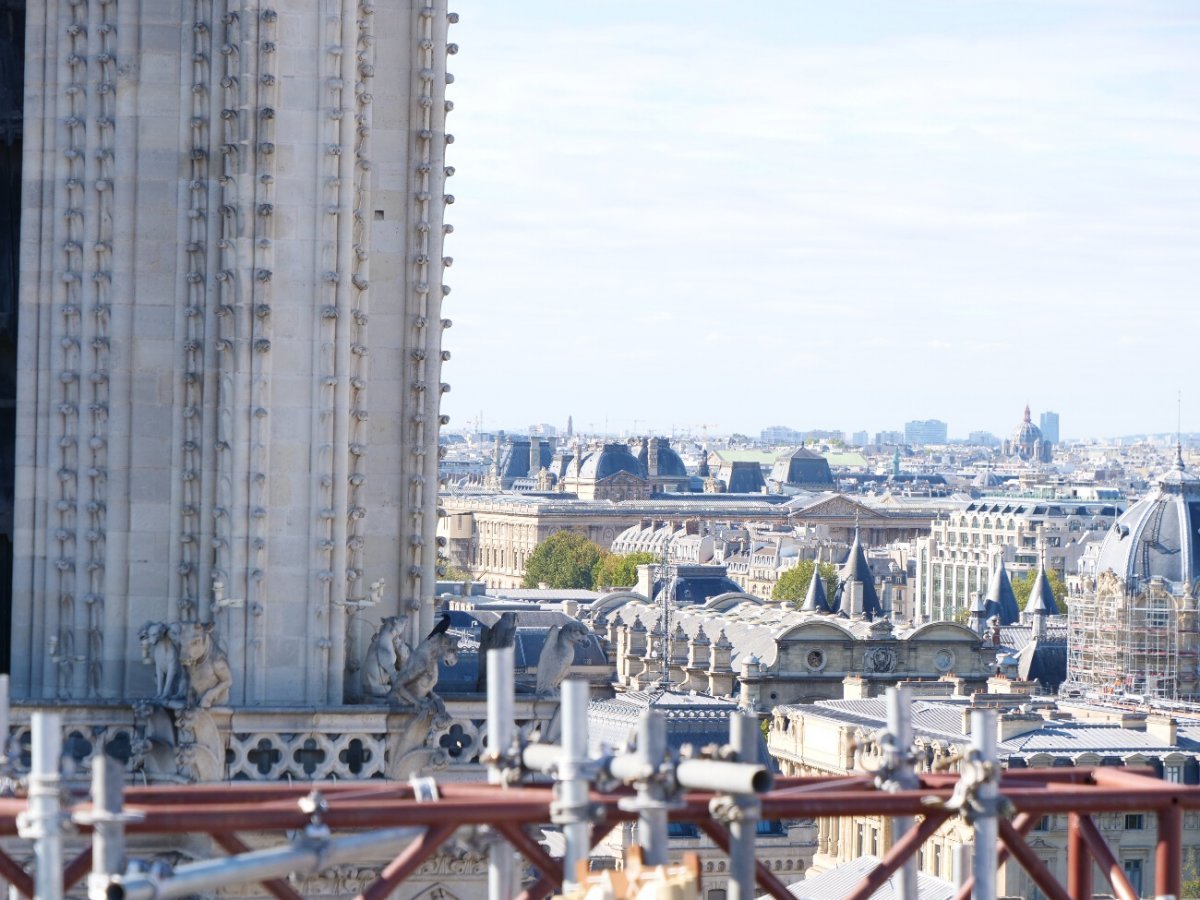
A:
622, 479
838, 507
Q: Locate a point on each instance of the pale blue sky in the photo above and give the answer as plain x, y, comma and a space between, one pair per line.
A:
825, 214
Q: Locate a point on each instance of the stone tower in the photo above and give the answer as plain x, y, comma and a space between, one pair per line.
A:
230, 338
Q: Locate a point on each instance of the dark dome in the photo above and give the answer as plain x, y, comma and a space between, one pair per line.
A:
670, 464
610, 460
1157, 536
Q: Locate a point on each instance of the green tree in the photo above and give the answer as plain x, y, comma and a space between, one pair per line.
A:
620, 570
454, 573
793, 584
564, 560
1022, 587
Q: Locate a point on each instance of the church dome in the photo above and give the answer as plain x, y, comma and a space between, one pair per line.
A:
1157, 536
1027, 432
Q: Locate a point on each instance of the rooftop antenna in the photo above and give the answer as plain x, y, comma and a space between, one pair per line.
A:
664, 681
1179, 430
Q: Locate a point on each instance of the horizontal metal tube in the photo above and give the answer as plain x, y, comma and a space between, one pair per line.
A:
304, 859
628, 768
542, 758
723, 777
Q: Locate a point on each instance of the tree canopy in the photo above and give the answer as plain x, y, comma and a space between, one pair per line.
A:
564, 560
620, 570
793, 584
1022, 587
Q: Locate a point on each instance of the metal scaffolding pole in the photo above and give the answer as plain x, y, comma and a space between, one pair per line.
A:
42, 822
306, 857
743, 738
108, 836
501, 719
899, 723
651, 802
572, 807
983, 745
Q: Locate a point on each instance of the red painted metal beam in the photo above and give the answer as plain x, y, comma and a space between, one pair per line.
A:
1079, 861
549, 867
900, 851
409, 860
763, 876
21, 880
1168, 854
233, 845
1104, 857
543, 887
1029, 861
77, 868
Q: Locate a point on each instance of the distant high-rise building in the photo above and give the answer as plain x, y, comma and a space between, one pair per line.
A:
1048, 422
929, 431
883, 438
983, 439
780, 434
860, 439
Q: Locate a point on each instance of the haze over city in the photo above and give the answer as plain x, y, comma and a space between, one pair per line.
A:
828, 215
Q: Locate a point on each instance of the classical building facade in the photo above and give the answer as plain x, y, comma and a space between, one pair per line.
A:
491, 535
965, 547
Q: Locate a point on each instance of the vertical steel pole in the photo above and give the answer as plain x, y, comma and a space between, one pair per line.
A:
44, 826
501, 718
108, 834
652, 811
743, 737
899, 723
573, 783
3, 717
983, 741
1168, 853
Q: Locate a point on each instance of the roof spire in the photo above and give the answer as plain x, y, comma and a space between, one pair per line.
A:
1028, 417
1179, 431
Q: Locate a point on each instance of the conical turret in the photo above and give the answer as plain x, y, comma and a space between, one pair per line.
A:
815, 600
1041, 597
855, 571
1001, 601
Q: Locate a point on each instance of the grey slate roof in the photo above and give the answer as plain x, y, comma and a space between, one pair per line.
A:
1001, 601
1041, 596
942, 720
815, 600
856, 568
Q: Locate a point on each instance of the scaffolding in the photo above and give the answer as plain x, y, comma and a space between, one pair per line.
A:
1125, 642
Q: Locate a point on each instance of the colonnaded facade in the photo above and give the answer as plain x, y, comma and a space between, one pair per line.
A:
230, 338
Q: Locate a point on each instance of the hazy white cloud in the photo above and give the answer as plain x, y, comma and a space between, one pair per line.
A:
948, 213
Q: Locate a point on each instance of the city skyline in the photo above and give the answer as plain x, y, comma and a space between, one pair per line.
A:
837, 215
